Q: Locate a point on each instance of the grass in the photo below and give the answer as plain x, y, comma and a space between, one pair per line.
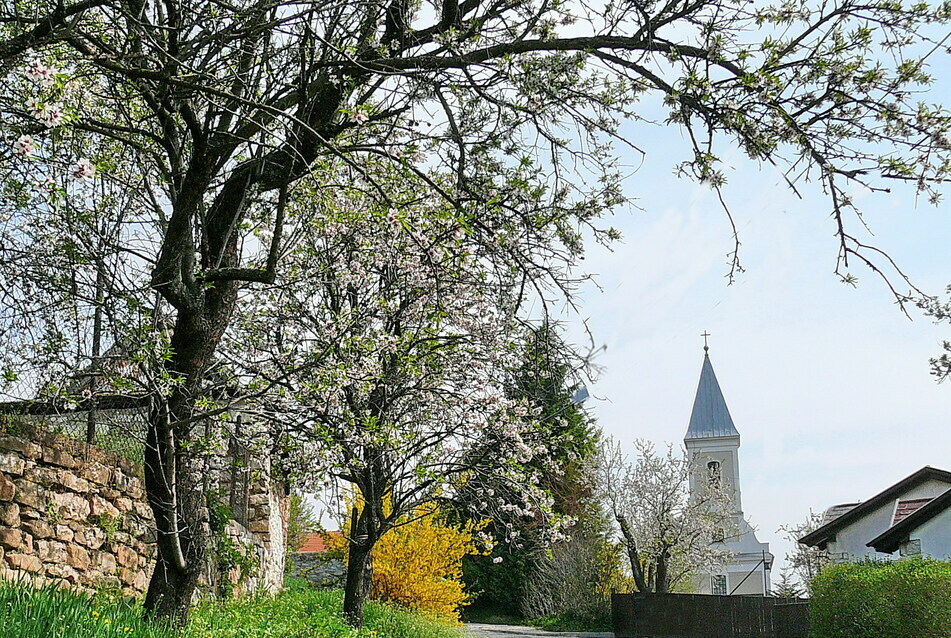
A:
298, 612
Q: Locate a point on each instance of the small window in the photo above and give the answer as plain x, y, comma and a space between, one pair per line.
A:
713, 473
718, 585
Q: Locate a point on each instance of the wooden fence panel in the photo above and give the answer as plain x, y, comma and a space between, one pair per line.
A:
702, 616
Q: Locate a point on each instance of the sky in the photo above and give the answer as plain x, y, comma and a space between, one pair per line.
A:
828, 384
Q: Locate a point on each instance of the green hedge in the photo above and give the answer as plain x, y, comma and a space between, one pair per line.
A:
902, 599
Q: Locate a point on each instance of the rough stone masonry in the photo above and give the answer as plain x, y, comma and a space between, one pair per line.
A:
75, 514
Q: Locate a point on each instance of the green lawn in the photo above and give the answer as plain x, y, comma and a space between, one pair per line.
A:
298, 612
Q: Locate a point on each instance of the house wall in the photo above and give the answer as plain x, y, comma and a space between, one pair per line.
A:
850, 542
75, 514
935, 536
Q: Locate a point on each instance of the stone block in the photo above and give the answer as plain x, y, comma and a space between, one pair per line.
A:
143, 510
31, 495
93, 537
71, 506
259, 526
10, 514
24, 562
97, 473
77, 557
51, 552
32, 452
12, 464
11, 539
61, 458
64, 534
38, 529
99, 506
106, 562
13, 443
126, 556
64, 572
128, 577
122, 481
7, 489
258, 499
65, 479
123, 504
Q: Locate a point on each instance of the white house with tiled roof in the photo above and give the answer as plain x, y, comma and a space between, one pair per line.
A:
714, 443
910, 518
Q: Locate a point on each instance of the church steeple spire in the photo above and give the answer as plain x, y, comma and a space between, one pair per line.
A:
710, 417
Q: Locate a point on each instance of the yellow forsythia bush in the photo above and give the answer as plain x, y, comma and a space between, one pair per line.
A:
419, 564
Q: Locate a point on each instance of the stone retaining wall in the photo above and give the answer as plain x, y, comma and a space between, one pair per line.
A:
73, 513
319, 568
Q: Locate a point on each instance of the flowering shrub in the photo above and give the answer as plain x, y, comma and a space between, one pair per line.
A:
419, 564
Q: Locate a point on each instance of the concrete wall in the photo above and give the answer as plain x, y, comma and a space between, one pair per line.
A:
73, 513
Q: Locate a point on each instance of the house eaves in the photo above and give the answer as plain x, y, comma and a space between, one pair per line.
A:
888, 541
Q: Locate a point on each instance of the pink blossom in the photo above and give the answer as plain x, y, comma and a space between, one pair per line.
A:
41, 74
52, 116
25, 145
84, 169
360, 117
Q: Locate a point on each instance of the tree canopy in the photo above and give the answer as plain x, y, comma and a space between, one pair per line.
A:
154, 147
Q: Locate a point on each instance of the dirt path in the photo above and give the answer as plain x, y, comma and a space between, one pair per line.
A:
481, 630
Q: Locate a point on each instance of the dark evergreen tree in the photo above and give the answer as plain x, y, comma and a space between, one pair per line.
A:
548, 382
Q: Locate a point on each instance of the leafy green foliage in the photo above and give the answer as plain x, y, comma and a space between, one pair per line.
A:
903, 599
301, 521
298, 612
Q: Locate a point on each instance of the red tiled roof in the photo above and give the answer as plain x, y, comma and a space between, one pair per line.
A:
317, 542
907, 508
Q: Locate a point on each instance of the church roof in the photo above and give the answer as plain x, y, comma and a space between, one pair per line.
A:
710, 417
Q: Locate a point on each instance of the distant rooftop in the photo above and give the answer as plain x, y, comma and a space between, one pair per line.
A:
836, 511
710, 417
317, 542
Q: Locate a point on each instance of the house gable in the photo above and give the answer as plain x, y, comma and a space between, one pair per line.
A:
930, 523
875, 515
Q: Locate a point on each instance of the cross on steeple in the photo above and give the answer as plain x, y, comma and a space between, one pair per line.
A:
705, 334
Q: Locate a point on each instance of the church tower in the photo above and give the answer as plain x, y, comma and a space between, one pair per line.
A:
714, 443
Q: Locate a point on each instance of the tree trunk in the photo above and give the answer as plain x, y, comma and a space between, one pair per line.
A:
359, 580
174, 477
170, 592
637, 570
662, 579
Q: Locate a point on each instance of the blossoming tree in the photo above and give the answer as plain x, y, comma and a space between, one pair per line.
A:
506, 107
668, 533
393, 336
